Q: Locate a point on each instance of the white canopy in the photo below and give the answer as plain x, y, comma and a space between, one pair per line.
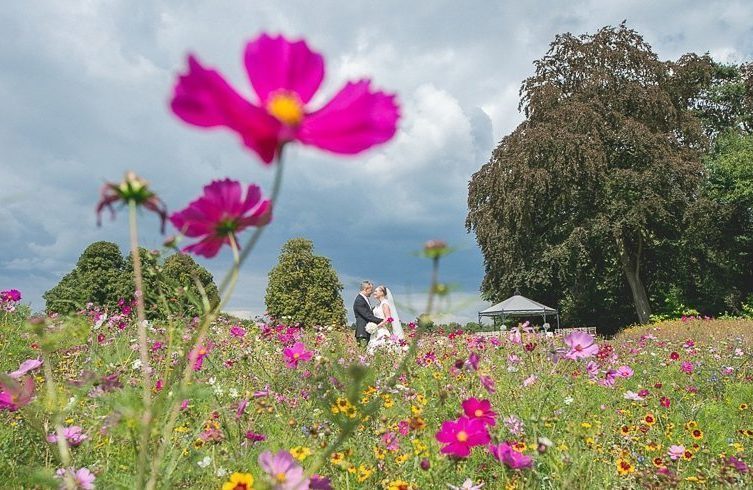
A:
518, 305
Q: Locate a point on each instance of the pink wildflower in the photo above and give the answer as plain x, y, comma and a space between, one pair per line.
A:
283, 471
73, 434
479, 409
487, 383
285, 76
82, 478
581, 345
25, 367
676, 452
461, 435
297, 353
510, 457
219, 214
624, 371
237, 331
686, 367
10, 295
15, 394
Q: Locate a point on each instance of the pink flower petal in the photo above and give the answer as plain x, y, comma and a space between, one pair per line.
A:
208, 247
274, 63
203, 98
354, 120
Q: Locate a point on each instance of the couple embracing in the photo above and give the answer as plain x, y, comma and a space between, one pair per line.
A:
380, 325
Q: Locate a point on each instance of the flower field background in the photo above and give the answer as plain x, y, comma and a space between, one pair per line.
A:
657, 406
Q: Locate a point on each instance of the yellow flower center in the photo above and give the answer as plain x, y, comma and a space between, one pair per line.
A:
478, 412
280, 477
286, 107
296, 355
462, 436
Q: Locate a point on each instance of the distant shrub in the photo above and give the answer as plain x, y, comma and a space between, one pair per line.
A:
103, 277
304, 288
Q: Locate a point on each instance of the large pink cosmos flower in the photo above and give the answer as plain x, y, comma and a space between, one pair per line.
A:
297, 353
285, 76
480, 409
461, 435
221, 212
510, 457
15, 394
581, 345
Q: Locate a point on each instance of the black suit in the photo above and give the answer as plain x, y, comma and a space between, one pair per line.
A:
363, 314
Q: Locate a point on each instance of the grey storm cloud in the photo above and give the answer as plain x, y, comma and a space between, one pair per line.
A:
84, 89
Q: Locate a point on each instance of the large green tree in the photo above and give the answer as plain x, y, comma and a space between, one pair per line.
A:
581, 201
304, 288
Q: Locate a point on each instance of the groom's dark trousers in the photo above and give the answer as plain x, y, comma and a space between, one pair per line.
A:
363, 314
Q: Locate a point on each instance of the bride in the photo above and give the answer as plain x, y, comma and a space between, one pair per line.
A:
385, 310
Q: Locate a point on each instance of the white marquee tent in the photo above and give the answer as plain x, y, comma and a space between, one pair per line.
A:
517, 306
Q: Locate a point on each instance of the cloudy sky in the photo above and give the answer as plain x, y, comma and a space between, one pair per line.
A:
83, 96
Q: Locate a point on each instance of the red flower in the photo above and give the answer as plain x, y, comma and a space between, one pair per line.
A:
285, 76
221, 212
479, 409
461, 435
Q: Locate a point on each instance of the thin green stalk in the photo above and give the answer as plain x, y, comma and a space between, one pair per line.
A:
188, 370
433, 286
146, 417
52, 404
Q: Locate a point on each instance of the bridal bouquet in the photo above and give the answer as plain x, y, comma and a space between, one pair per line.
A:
371, 327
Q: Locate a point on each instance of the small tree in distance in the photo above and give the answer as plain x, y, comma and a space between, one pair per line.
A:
304, 288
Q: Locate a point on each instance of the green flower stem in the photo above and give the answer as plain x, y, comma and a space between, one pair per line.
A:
188, 370
433, 286
52, 404
146, 418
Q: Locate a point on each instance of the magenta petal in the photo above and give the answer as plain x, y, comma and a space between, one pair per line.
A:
203, 98
274, 63
208, 247
354, 120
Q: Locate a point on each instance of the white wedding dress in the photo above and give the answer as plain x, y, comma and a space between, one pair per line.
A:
383, 336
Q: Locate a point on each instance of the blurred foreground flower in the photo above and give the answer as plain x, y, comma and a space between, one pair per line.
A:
132, 189
285, 76
82, 478
15, 394
283, 471
219, 214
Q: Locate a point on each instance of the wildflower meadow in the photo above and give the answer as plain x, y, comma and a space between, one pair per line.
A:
110, 398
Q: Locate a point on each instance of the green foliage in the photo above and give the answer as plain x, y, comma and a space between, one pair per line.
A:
178, 279
99, 277
304, 288
579, 204
102, 277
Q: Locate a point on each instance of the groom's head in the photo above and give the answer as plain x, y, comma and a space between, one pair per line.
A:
366, 288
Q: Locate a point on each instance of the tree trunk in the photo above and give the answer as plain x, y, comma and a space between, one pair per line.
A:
631, 264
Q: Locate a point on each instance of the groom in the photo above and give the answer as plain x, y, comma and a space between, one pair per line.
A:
362, 311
